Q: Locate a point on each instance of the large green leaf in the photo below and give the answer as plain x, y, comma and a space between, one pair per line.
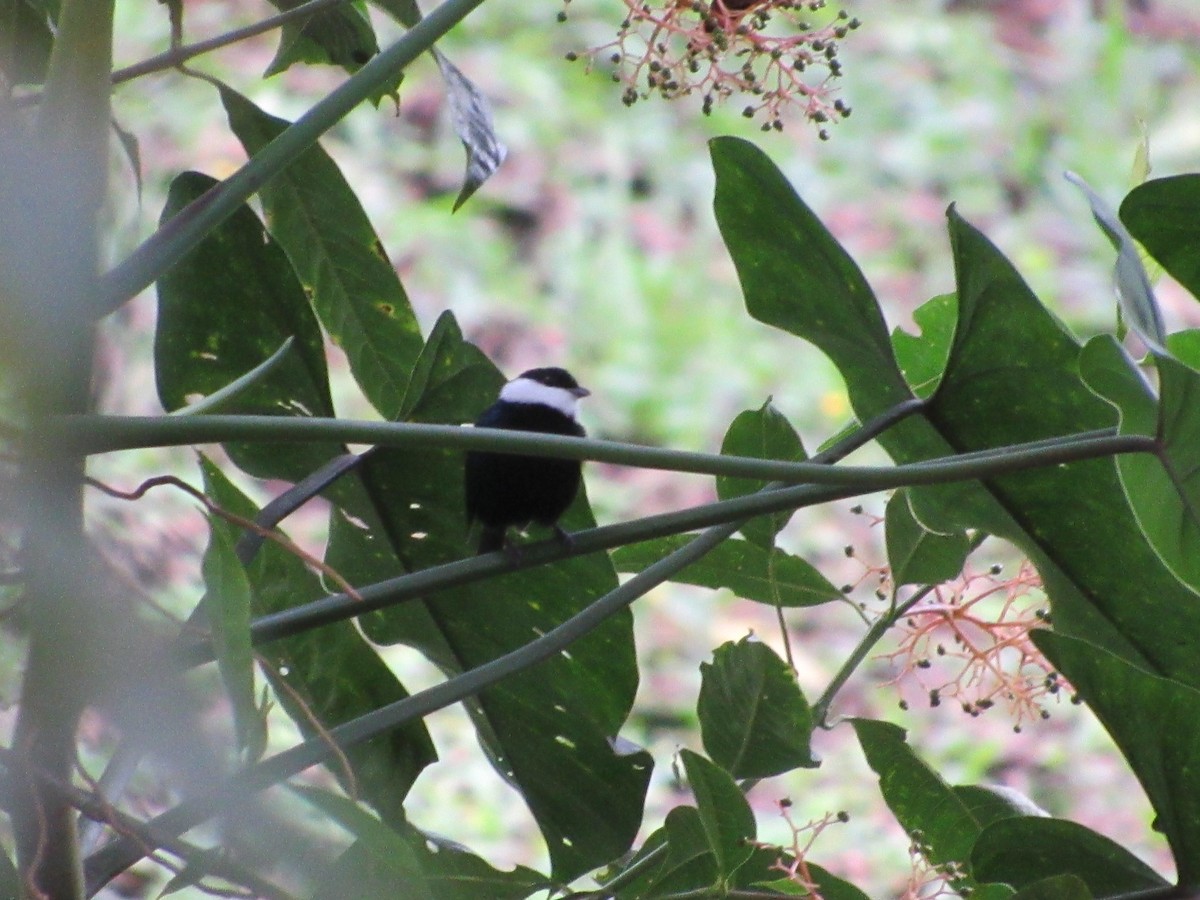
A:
1156, 723
223, 309
763, 433
1162, 215
748, 570
754, 720
796, 276
315, 216
551, 731
331, 675
1026, 849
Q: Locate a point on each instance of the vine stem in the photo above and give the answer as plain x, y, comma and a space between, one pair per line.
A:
101, 434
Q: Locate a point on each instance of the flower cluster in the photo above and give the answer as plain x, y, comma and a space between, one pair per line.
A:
968, 641
763, 50
795, 866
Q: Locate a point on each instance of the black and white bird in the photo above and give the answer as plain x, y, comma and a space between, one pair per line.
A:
505, 490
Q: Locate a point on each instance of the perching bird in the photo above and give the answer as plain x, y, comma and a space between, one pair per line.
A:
505, 490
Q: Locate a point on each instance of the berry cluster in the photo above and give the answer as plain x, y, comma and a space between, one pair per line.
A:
763, 50
974, 634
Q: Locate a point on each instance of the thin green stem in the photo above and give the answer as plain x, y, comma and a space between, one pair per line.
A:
177, 56
175, 238
99, 434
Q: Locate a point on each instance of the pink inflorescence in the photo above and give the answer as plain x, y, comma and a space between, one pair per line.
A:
968, 642
762, 50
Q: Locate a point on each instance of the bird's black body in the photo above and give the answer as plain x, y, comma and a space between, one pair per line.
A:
505, 490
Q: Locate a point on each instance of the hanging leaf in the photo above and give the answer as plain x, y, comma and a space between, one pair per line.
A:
472, 117
1132, 283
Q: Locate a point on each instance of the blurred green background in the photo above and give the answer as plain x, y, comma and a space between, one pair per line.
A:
594, 247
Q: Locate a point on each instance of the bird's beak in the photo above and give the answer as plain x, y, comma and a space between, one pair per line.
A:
580, 392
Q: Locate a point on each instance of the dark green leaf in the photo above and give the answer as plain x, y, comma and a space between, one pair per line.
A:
790, 267
916, 554
225, 308
923, 359
472, 117
690, 862
227, 604
989, 804
726, 816
338, 36
1024, 850
329, 676
10, 879
551, 731
763, 433
1132, 283
1162, 214
1163, 491
754, 720
1060, 887
319, 222
750, 571
924, 805
401, 861
1106, 583
1156, 724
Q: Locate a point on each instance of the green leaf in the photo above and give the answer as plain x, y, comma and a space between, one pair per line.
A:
319, 222
1162, 215
923, 804
550, 732
763, 433
748, 570
916, 554
923, 358
1132, 282
989, 803
1074, 521
796, 277
754, 720
726, 816
1024, 850
1163, 491
331, 675
340, 36
401, 861
227, 604
1156, 724
1060, 887
225, 308
829, 886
